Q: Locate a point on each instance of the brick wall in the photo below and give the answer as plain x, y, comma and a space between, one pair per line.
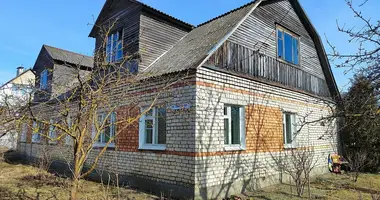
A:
264, 104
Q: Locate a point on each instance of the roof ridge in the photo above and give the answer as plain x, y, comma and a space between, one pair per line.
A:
60, 49
227, 13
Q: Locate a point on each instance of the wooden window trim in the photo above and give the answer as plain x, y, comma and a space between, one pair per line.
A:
294, 35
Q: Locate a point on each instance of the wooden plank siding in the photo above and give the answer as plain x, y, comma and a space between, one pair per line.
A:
127, 20
156, 37
237, 58
258, 31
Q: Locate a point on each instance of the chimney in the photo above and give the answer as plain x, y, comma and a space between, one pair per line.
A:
20, 70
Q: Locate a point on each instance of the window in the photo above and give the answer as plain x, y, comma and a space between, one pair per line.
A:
38, 127
44, 79
289, 129
24, 131
234, 127
108, 131
52, 132
287, 46
68, 138
114, 49
153, 129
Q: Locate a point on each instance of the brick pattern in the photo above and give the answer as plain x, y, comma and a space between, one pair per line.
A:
264, 136
264, 131
128, 132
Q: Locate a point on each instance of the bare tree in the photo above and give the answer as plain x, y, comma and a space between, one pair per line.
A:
367, 38
88, 111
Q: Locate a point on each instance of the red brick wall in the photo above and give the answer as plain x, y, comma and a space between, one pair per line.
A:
128, 132
263, 128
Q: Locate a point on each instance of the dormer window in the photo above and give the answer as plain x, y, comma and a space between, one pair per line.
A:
114, 49
287, 46
44, 79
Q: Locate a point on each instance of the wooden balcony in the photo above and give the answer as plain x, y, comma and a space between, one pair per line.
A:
236, 58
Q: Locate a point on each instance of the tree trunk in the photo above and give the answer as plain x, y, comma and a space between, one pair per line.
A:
74, 189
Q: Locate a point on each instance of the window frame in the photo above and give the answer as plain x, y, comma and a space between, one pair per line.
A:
112, 52
44, 79
293, 35
52, 132
142, 131
68, 138
230, 146
112, 118
35, 125
24, 132
293, 117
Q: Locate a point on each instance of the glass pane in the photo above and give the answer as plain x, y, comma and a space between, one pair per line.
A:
149, 113
235, 124
288, 48
119, 51
148, 136
288, 127
109, 48
161, 125
280, 44
226, 131
295, 51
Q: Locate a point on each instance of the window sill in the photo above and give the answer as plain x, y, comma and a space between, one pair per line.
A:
234, 148
153, 147
101, 145
36, 142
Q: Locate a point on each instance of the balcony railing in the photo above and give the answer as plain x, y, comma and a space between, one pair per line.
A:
236, 58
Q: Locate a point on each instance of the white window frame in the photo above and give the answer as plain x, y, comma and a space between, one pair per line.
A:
112, 129
44, 77
283, 30
68, 138
52, 132
24, 131
142, 135
242, 145
111, 50
36, 135
293, 130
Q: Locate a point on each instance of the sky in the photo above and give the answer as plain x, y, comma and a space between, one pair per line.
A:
27, 25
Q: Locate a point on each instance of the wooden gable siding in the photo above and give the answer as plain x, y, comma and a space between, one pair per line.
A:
258, 31
127, 20
233, 57
156, 37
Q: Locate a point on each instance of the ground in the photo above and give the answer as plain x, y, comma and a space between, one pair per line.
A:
26, 182
327, 186
19, 181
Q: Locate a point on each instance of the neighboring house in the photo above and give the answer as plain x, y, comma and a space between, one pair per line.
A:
255, 73
14, 93
56, 71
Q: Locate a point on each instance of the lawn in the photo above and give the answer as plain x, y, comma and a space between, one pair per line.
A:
327, 186
26, 182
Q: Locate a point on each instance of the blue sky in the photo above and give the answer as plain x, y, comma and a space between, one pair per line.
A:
27, 25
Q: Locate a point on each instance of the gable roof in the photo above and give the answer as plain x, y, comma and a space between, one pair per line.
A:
107, 6
69, 57
24, 72
196, 46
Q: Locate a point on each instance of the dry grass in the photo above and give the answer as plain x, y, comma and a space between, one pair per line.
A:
27, 182
327, 186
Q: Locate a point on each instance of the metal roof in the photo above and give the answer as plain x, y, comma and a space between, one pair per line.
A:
193, 48
69, 57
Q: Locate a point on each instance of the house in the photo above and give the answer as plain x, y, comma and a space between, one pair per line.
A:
56, 71
254, 75
14, 93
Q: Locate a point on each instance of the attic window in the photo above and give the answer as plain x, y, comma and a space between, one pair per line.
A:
288, 46
44, 79
114, 49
